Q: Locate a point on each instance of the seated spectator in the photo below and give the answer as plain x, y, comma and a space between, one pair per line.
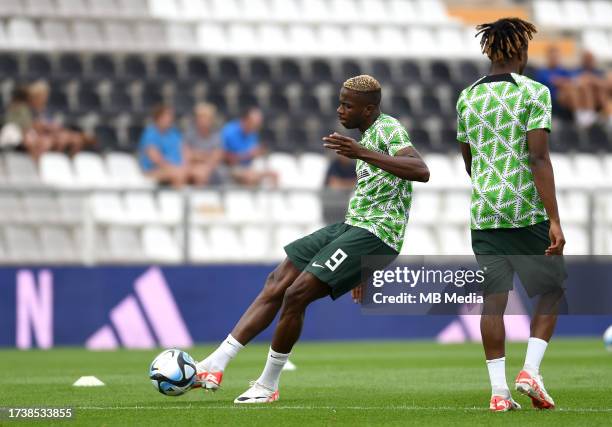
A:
18, 130
341, 174
161, 151
559, 81
592, 88
203, 144
59, 138
241, 144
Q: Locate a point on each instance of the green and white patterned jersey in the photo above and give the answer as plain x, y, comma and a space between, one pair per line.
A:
493, 116
382, 201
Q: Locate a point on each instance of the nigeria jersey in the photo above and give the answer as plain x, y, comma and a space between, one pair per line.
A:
381, 201
494, 116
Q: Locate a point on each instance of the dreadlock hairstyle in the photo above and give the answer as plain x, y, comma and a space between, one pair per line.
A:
505, 38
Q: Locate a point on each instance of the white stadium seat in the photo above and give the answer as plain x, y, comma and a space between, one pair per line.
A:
312, 169
88, 35
159, 245
133, 8
103, 8
41, 207
107, 208
57, 245
226, 10
39, 7
601, 12
56, 170
576, 13
420, 241
90, 171
285, 10
72, 8
57, 34
124, 245
11, 7
194, 9
316, 11
206, 207
255, 243
199, 247
305, 207
20, 169
164, 9
548, 13
22, 244
119, 35
577, 240
151, 36
286, 167
273, 40
171, 209
455, 240
282, 236
426, 207
212, 38
225, 244
140, 207
125, 171
303, 38
11, 208
22, 33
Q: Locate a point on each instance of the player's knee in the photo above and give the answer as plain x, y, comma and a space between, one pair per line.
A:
296, 296
273, 288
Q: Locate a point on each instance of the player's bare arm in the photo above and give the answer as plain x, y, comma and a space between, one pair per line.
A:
466, 153
406, 164
544, 179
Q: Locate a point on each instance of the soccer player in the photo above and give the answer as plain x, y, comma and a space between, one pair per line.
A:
503, 121
328, 261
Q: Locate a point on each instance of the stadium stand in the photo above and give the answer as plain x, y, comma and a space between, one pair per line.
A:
106, 72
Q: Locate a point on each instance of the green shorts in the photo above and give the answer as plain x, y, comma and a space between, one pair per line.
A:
502, 252
333, 254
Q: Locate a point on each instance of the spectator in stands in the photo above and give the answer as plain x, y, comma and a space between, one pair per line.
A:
18, 130
162, 154
203, 144
341, 174
241, 144
61, 138
559, 81
592, 87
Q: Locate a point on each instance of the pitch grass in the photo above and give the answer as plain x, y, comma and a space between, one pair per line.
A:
356, 383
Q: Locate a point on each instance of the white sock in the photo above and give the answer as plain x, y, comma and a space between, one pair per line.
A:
497, 375
271, 373
218, 359
535, 352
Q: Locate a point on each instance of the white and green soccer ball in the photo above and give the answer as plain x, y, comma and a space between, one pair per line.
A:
607, 337
173, 372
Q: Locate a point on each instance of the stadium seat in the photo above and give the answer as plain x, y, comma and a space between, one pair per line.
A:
22, 244
159, 245
22, 34
141, 207
11, 208
73, 8
90, 171
312, 169
456, 207
211, 38
282, 236
56, 170
120, 36
420, 240
88, 101
206, 207
41, 208
255, 242
286, 167
171, 208
133, 8
11, 7
165, 68
125, 171
70, 66
21, 170
39, 7
88, 35
304, 207
57, 34
103, 9
124, 245
57, 245
577, 240
9, 66
241, 207
108, 208
426, 206
151, 36
197, 69
71, 207
455, 240
38, 66
225, 244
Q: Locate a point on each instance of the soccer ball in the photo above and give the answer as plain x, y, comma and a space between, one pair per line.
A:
173, 372
608, 338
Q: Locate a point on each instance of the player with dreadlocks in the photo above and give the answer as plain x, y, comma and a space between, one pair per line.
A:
328, 261
503, 122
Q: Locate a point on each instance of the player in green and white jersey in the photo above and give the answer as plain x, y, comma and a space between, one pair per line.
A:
328, 261
503, 121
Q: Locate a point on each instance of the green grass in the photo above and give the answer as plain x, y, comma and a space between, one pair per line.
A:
357, 383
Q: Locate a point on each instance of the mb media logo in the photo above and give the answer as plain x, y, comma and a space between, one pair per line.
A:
148, 319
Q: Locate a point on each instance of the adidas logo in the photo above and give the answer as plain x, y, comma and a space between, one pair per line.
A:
147, 319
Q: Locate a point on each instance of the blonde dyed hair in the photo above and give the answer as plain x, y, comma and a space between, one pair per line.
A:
363, 83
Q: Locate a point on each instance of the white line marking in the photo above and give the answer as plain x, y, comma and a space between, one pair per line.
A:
359, 408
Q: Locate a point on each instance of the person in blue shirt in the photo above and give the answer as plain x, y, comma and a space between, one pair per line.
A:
240, 139
559, 81
161, 152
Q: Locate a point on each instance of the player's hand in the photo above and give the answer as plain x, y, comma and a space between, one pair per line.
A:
557, 240
357, 294
343, 145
